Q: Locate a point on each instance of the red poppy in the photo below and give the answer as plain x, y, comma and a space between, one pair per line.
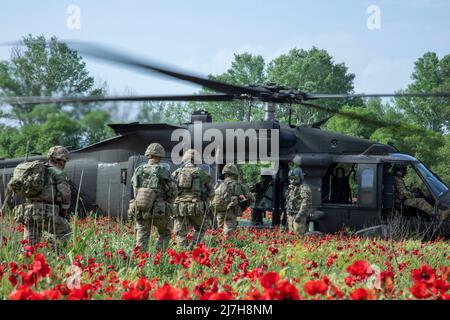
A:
425, 274
84, 293
441, 286
314, 287
286, 291
269, 280
359, 294
23, 292
420, 290
167, 292
201, 256
40, 266
224, 295
360, 268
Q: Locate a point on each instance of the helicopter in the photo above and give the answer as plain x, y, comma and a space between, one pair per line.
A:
351, 179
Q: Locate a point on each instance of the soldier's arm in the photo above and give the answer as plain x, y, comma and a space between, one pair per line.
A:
135, 181
65, 194
63, 191
248, 195
170, 185
207, 182
402, 190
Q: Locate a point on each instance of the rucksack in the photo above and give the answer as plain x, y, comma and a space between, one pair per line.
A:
223, 195
188, 178
149, 176
28, 179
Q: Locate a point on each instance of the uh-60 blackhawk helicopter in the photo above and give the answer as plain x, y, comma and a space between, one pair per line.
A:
351, 179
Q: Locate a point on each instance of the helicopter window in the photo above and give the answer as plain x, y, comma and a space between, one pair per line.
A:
437, 187
416, 185
367, 185
339, 185
367, 178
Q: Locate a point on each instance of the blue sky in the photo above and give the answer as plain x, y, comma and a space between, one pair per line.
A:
202, 35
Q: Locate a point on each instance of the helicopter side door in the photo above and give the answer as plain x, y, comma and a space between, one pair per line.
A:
350, 196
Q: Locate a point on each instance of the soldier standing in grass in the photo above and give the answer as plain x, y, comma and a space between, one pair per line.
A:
230, 198
194, 192
298, 201
47, 196
154, 192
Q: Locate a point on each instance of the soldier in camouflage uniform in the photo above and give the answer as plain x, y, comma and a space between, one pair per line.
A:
406, 197
48, 210
152, 184
194, 192
298, 201
230, 198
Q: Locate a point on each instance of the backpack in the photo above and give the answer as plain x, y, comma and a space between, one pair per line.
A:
28, 179
149, 177
188, 178
223, 195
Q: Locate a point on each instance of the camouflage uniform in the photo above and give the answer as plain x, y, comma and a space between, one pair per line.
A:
298, 204
156, 177
403, 195
46, 211
298, 201
194, 192
230, 197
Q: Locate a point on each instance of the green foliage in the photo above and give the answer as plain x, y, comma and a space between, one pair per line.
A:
310, 71
430, 75
246, 69
48, 68
44, 68
94, 125
373, 110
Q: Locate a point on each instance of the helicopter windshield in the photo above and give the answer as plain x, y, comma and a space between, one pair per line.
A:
437, 187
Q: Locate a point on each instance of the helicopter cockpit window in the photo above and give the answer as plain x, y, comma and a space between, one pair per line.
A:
437, 187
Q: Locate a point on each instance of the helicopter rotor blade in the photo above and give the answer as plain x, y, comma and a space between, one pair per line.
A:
87, 99
364, 119
115, 56
313, 96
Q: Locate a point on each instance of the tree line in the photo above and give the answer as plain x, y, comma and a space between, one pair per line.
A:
36, 69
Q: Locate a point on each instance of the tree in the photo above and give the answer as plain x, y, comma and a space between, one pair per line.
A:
94, 125
44, 68
246, 69
311, 71
373, 109
430, 75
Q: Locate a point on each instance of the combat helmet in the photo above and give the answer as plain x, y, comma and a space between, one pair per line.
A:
230, 169
399, 167
155, 149
296, 176
58, 153
192, 156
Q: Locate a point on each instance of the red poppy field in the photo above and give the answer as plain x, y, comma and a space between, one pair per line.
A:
102, 263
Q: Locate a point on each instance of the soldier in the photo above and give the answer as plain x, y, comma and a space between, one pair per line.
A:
194, 192
47, 210
404, 196
298, 201
230, 198
154, 192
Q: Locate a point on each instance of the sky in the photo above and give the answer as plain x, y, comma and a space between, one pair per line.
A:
202, 35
